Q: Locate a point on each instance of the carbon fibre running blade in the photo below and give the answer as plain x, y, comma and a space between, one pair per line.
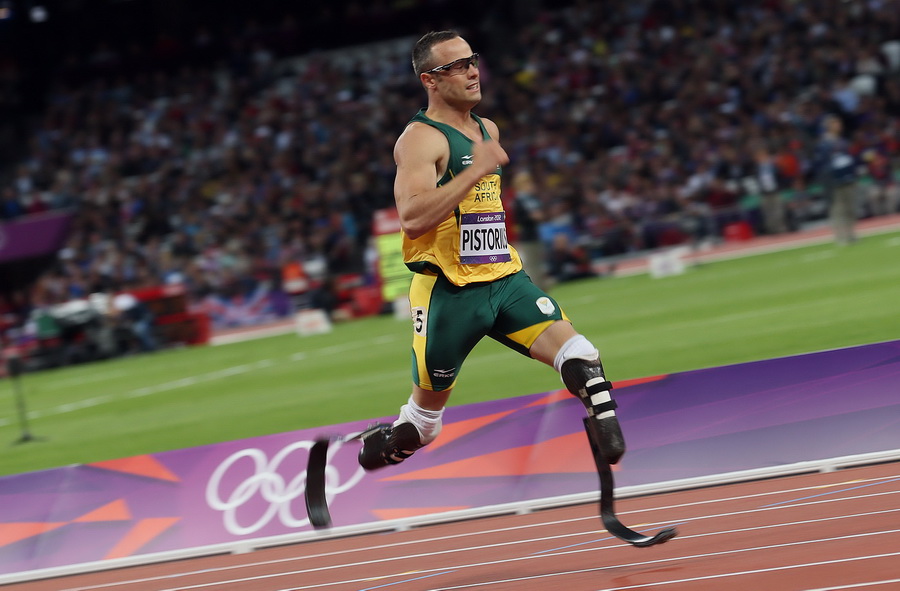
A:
314, 495
607, 504
618, 529
316, 502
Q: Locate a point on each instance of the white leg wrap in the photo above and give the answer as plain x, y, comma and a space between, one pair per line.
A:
427, 422
578, 347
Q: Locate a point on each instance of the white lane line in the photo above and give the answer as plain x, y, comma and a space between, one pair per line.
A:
854, 482
469, 535
148, 390
207, 377
518, 559
741, 530
857, 585
657, 584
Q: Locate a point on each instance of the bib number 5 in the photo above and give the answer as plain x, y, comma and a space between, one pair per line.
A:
420, 320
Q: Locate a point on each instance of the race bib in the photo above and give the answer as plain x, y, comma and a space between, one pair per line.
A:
482, 238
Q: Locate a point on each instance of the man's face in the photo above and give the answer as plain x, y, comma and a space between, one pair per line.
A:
459, 83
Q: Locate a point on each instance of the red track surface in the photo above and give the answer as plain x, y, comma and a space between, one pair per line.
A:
826, 531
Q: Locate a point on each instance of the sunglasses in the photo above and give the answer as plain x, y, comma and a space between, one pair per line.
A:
459, 66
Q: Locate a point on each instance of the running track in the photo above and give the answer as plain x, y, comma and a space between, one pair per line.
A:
820, 531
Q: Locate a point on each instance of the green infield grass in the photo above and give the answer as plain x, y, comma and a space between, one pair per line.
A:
759, 307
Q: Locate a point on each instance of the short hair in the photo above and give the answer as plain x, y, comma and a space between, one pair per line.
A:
421, 54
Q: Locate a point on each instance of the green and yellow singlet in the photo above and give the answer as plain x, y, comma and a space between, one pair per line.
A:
471, 245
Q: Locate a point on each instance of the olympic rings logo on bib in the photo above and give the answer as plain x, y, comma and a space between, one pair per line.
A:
482, 238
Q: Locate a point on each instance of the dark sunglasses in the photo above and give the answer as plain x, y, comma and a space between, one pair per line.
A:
456, 66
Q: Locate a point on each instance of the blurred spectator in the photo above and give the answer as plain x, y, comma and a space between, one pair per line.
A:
568, 262
767, 182
837, 168
134, 320
10, 206
528, 213
325, 297
218, 157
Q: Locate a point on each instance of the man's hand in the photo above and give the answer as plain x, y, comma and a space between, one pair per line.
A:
487, 156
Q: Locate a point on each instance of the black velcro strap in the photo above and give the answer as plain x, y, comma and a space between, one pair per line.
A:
397, 456
598, 387
598, 409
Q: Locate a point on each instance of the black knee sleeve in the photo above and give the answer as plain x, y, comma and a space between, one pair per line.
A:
584, 379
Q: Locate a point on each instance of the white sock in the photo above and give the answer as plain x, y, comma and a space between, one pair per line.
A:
577, 347
427, 422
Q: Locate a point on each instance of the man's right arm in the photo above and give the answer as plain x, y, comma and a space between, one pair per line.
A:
419, 153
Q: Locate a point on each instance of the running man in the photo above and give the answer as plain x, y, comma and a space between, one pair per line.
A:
468, 280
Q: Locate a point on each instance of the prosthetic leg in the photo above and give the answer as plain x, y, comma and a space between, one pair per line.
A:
578, 363
382, 445
584, 379
314, 495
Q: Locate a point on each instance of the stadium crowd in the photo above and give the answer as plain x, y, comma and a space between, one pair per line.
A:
631, 125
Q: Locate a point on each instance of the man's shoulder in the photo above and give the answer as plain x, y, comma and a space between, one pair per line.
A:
420, 131
421, 138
